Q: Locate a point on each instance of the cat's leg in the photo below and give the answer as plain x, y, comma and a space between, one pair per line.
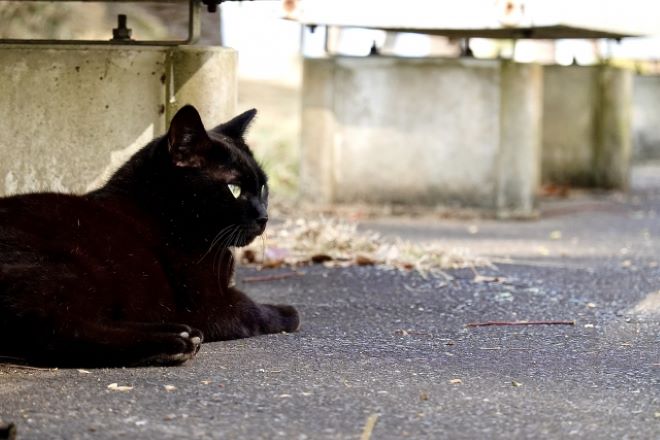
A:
87, 344
245, 318
280, 318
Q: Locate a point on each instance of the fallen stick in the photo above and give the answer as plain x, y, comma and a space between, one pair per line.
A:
505, 323
369, 427
274, 277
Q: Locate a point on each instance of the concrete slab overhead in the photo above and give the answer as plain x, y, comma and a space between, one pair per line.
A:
487, 18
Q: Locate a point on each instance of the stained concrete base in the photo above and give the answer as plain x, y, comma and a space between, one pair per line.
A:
431, 131
646, 118
587, 117
69, 115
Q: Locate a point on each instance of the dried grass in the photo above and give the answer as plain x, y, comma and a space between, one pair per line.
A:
338, 243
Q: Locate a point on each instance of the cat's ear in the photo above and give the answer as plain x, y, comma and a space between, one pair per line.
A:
187, 140
237, 126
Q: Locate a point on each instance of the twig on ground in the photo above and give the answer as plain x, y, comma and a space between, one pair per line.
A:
369, 427
274, 277
505, 323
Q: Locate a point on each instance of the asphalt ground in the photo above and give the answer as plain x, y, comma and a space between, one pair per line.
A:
384, 354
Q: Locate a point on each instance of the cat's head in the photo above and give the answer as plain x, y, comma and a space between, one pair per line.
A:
226, 189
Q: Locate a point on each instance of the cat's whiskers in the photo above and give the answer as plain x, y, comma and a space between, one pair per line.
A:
219, 236
221, 246
263, 236
213, 242
226, 246
220, 252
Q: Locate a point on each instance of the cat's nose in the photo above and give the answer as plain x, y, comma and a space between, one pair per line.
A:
261, 221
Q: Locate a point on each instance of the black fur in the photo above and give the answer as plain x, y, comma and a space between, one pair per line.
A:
138, 272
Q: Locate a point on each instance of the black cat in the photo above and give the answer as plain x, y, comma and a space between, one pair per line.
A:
138, 272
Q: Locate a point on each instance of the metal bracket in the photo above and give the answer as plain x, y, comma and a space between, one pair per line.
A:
194, 32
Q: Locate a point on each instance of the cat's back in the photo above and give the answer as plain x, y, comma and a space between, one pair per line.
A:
38, 205
51, 222
41, 214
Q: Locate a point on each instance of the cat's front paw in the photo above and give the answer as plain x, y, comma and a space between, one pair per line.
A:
176, 347
195, 336
289, 320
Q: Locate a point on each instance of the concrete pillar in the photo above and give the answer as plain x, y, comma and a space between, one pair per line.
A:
646, 118
614, 133
318, 131
421, 131
587, 126
519, 160
69, 115
205, 77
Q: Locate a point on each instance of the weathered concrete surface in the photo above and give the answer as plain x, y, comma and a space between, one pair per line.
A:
384, 346
318, 129
646, 118
432, 131
70, 115
206, 78
587, 119
518, 164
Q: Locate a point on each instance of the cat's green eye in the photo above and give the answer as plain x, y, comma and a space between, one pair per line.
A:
234, 189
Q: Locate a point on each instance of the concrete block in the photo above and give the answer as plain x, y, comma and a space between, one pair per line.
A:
587, 126
69, 115
205, 77
646, 118
614, 132
318, 132
429, 131
519, 165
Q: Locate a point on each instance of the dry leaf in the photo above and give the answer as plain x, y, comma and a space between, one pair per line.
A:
423, 396
249, 256
320, 258
456, 381
115, 387
516, 384
363, 260
272, 264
